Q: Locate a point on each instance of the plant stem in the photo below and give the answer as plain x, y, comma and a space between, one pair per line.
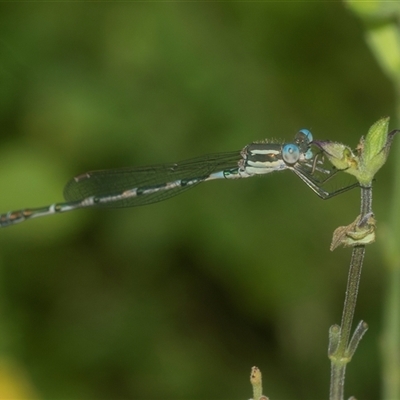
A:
341, 353
353, 282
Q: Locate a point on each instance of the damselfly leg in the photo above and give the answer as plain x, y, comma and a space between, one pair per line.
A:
316, 173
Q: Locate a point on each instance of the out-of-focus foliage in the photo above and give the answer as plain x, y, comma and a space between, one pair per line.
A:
180, 299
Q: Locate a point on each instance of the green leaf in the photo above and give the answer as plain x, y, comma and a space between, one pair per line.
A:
370, 154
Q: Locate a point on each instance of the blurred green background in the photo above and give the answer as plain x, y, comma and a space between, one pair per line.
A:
180, 299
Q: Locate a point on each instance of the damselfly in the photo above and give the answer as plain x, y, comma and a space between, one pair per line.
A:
129, 187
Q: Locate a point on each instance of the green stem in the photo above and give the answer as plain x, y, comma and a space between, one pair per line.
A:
338, 372
340, 352
353, 282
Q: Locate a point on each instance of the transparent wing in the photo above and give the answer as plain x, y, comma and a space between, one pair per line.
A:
104, 183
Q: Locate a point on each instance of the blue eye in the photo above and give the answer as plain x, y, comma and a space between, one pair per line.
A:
309, 155
291, 153
308, 134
